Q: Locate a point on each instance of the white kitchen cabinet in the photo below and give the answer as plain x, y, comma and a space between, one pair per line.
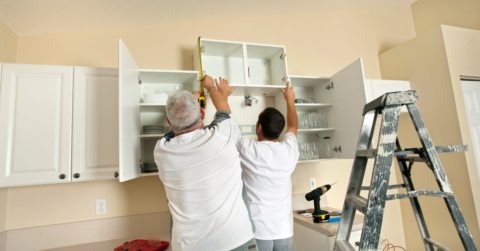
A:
264, 69
375, 88
95, 124
243, 64
136, 148
342, 98
35, 124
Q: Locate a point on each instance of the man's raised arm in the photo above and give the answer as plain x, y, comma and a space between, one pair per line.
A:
219, 97
292, 121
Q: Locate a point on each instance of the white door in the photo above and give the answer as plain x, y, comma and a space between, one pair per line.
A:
129, 114
95, 124
35, 124
348, 102
471, 97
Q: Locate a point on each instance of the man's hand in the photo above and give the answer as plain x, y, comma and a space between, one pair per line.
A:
197, 94
288, 93
208, 83
224, 87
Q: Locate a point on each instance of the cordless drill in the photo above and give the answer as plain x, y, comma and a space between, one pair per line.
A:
318, 214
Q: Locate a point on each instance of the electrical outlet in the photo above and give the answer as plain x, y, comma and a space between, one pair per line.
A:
101, 206
312, 183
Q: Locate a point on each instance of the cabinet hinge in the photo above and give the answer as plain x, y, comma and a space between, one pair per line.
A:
285, 79
248, 71
330, 86
139, 80
202, 48
338, 149
282, 57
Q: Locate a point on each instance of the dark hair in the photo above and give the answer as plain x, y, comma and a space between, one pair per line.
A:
272, 122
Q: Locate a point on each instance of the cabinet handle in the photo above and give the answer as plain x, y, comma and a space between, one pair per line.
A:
115, 175
62, 176
338, 149
76, 176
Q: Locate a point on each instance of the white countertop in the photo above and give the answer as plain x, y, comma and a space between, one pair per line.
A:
112, 244
328, 229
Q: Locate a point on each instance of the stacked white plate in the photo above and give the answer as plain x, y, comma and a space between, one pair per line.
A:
153, 129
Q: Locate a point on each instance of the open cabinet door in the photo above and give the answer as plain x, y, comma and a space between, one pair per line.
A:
129, 115
348, 102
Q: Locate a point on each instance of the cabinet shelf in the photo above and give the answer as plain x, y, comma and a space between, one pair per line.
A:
315, 130
315, 160
151, 135
149, 174
307, 81
311, 107
152, 107
257, 90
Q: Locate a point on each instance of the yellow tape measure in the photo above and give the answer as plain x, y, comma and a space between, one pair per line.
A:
201, 101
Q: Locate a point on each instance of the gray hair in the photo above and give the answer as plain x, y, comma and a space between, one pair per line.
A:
183, 111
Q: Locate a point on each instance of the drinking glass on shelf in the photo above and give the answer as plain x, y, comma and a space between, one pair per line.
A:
327, 150
322, 118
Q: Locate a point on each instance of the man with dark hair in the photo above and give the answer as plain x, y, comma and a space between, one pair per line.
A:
267, 166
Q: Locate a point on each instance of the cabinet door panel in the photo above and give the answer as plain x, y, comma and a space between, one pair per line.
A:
35, 124
129, 114
95, 124
348, 102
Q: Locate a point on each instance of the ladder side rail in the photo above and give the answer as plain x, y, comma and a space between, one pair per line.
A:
380, 178
417, 210
356, 176
438, 170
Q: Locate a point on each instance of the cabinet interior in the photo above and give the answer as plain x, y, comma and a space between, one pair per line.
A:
154, 82
265, 65
224, 59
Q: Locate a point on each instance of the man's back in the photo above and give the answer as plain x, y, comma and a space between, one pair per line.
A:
267, 170
202, 177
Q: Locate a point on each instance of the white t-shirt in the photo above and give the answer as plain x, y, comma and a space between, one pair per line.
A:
267, 169
203, 180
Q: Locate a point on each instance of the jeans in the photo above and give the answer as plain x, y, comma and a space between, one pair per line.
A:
286, 244
250, 245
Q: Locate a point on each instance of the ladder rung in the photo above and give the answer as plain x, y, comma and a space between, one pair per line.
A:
418, 193
414, 159
344, 246
358, 202
438, 245
439, 149
369, 153
389, 187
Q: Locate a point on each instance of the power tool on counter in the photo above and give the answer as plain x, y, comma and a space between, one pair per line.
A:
318, 214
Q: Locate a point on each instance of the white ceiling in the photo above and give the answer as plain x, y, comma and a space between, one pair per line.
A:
34, 17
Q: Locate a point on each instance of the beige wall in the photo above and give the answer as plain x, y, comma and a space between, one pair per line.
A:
428, 14
8, 54
424, 62
8, 44
317, 44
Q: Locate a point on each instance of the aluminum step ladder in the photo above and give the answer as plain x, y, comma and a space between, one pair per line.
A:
372, 207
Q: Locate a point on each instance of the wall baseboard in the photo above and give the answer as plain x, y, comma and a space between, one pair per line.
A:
77, 233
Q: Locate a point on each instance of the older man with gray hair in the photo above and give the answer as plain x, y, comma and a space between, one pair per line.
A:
200, 169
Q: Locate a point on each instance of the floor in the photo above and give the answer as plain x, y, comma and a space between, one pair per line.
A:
112, 244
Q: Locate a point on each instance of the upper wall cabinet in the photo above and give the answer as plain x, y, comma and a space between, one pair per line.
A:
256, 69
137, 110
95, 124
35, 124
338, 100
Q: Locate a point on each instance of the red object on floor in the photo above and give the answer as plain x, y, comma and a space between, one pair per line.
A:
143, 245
